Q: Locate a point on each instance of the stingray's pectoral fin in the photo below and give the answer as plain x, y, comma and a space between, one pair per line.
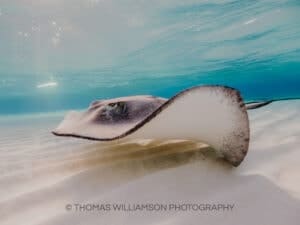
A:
214, 115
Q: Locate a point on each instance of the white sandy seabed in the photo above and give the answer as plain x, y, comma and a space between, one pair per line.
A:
52, 180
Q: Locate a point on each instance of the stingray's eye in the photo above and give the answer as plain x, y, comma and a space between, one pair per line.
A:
118, 107
114, 104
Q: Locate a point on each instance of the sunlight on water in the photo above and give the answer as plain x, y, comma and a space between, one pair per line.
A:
49, 84
102, 49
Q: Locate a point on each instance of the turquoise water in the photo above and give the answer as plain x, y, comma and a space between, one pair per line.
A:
59, 55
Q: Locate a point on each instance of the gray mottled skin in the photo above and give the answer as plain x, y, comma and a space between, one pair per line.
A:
123, 110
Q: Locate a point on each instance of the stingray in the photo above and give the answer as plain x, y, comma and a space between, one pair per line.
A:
215, 115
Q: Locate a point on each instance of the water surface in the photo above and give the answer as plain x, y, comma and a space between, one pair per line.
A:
60, 55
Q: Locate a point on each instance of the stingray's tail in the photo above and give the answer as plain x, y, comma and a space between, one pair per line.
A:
258, 104
255, 105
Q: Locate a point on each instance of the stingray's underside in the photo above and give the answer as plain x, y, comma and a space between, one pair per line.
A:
215, 115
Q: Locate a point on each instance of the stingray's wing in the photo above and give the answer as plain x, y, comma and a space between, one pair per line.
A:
215, 115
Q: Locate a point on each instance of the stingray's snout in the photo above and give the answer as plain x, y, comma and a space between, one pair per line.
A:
71, 120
